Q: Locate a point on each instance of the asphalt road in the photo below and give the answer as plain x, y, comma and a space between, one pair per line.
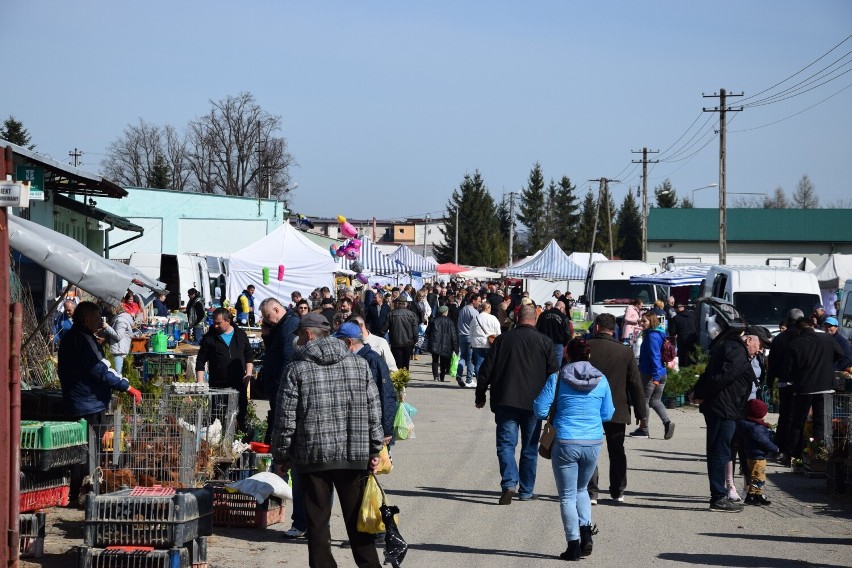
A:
446, 483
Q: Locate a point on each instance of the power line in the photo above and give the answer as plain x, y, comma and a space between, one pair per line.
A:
796, 114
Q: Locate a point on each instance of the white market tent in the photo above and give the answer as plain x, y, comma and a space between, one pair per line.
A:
479, 273
582, 259
306, 266
373, 261
411, 262
833, 273
550, 264
679, 276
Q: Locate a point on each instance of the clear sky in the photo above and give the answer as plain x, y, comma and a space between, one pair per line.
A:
386, 105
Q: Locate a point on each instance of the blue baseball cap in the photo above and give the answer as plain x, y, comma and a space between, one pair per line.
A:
350, 330
832, 321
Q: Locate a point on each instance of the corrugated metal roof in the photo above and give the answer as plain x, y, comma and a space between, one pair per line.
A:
754, 225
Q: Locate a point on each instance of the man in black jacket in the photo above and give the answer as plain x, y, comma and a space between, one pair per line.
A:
552, 323
616, 361
518, 364
682, 327
810, 365
777, 371
402, 329
278, 351
376, 317
226, 351
723, 391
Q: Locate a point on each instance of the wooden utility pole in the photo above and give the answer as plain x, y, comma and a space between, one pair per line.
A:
75, 155
723, 214
511, 225
645, 161
603, 193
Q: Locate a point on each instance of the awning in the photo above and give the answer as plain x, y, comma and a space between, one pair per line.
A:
67, 258
95, 213
450, 268
680, 276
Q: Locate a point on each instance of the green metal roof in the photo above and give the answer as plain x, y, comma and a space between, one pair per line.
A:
754, 225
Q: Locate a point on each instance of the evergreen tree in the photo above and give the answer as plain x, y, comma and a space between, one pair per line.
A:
805, 196
666, 195
480, 240
586, 225
504, 218
551, 208
686, 203
630, 229
160, 176
566, 216
13, 131
532, 210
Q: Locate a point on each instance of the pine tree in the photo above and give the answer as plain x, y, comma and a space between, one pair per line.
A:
480, 240
160, 176
587, 223
686, 203
629, 229
778, 200
550, 207
566, 216
532, 210
13, 131
805, 196
666, 195
504, 218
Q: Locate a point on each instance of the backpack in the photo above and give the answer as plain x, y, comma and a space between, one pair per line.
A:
667, 351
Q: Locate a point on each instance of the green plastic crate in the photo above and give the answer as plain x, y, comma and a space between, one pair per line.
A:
37, 435
163, 368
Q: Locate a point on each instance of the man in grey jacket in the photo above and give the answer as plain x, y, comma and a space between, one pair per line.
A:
616, 361
328, 426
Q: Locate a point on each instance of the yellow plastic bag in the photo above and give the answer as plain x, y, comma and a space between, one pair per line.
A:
385, 461
369, 516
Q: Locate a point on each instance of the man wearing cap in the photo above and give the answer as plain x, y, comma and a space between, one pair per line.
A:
683, 329
402, 331
350, 334
328, 427
777, 371
818, 316
377, 343
810, 365
831, 325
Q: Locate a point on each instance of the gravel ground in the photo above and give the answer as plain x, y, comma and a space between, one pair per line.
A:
446, 484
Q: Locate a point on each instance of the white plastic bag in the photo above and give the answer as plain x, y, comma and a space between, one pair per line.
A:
261, 486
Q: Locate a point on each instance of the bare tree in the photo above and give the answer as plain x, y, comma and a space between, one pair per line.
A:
235, 150
130, 158
750, 202
778, 200
176, 157
805, 196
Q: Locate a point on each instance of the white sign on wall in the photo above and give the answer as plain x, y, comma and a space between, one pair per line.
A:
14, 194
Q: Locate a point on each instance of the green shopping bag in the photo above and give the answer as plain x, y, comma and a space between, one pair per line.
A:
454, 364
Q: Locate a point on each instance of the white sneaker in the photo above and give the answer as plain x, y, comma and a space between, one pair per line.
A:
733, 495
293, 532
470, 384
594, 501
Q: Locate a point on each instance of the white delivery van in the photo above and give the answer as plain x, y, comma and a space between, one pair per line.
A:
179, 272
608, 288
844, 314
762, 294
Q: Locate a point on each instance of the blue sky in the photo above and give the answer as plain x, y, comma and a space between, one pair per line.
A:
386, 105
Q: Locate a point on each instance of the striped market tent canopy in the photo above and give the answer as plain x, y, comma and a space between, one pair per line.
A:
551, 263
676, 276
406, 257
372, 260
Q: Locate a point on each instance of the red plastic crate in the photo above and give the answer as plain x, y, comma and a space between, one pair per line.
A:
44, 498
239, 510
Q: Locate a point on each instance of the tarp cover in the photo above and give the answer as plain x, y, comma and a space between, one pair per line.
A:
480, 273
105, 279
679, 276
306, 266
834, 272
550, 264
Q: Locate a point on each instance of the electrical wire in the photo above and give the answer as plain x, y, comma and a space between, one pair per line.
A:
793, 115
800, 92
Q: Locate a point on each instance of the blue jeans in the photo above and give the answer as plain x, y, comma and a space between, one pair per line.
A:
509, 421
479, 355
558, 349
465, 356
573, 466
720, 431
119, 363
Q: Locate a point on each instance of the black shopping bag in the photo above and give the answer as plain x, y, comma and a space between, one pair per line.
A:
395, 545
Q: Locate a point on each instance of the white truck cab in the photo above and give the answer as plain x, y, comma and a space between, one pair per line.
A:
179, 272
608, 288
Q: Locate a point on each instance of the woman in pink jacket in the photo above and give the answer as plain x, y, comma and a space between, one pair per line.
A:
631, 320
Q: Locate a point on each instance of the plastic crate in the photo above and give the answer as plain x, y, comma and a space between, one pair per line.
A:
43, 404
44, 498
37, 435
31, 529
152, 518
43, 460
128, 557
160, 367
239, 510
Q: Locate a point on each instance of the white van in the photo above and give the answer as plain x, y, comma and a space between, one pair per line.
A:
608, 288
179, 272
762, 294
844, 315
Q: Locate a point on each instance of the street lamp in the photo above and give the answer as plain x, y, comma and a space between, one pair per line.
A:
700, 188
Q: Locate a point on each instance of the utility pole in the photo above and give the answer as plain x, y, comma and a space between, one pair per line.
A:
645, 161
603, 193
456, 261
75, 155
511, 226
425, 234
723, 221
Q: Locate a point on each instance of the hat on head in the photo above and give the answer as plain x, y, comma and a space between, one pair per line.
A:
314, 320
327, 302
819, 306
548, 303
756, 409
831, 320
761, 333
443, 310
525, 301
350, 330
405, 297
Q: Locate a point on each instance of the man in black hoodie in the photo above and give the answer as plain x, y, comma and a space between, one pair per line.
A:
810, 365
777, 371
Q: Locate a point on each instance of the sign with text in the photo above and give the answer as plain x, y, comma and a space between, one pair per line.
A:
14, 194
34, 175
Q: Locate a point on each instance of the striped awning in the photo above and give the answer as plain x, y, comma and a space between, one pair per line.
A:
679, 276
405, 257
550, 264
372, 260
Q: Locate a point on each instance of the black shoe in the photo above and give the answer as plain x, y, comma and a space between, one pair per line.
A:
669, 426
506, 497
586, 544
752, 499
639, 433
572, 552
784, 460
725, 505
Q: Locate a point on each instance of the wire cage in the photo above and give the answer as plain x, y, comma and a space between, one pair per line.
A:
841, 426
171, 439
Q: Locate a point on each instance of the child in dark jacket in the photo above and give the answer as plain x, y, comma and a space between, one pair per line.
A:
758, 446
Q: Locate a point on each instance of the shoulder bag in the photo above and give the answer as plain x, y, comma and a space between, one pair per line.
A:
491, 337
548, 431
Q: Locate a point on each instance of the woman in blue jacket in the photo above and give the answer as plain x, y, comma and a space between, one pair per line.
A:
583, 404
653, 372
